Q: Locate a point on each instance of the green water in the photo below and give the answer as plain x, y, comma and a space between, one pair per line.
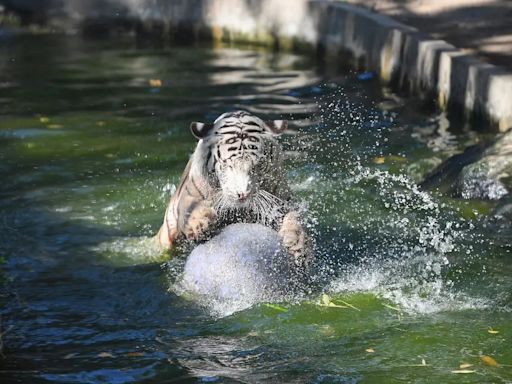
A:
89, 152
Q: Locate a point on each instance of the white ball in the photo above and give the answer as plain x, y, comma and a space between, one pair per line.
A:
245, 263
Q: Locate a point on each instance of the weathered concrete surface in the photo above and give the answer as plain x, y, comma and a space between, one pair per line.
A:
483, 171
403, 56
481, 27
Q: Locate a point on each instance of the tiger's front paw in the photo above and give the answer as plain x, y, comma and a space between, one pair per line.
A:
198, 223
295, 239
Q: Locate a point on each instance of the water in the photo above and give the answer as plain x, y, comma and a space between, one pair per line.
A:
90, 150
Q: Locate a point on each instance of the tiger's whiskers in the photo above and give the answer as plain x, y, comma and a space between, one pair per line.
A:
264, 207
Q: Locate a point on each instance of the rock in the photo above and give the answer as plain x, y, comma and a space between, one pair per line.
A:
498, 224
503, 211
483, 171
481, 180
243, 265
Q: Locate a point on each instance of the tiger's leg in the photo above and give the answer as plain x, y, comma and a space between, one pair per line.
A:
198, 222
190, 219
168, 232
295, 238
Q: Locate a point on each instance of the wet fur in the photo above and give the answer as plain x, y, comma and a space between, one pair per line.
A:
203, 203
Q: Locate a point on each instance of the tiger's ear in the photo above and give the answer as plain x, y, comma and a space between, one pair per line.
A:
277, 126
200, 130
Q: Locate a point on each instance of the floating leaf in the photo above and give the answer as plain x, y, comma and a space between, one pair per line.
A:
54, 126
463, 371
391, 307
276, 307
370, 350
465, 365
492, 331
44, 119
349, 305
488, 360
325, 301
155, 82
379, 160
100, 123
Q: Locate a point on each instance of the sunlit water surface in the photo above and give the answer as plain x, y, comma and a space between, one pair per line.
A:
93, 139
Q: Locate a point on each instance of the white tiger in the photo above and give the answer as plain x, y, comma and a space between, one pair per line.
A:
235, 175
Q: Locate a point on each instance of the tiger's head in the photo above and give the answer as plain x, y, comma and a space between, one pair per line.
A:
238, 155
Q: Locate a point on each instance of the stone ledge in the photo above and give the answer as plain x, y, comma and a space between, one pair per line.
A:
402, 56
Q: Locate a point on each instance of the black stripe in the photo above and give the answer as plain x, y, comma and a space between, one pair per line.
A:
229, 133
197, 188
187, 189
188, 212
208, 157
253, 123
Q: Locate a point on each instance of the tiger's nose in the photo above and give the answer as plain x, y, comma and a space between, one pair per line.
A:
242, 196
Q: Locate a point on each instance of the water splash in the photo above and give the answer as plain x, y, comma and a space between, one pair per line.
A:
412, 260
385, 235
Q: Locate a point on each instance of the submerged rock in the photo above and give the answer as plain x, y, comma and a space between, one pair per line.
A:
482, 171
243, 265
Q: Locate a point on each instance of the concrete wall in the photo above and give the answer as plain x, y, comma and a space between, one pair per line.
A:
427, 68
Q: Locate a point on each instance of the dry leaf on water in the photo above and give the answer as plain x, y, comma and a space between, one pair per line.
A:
488, 360
155, 82
276, 307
